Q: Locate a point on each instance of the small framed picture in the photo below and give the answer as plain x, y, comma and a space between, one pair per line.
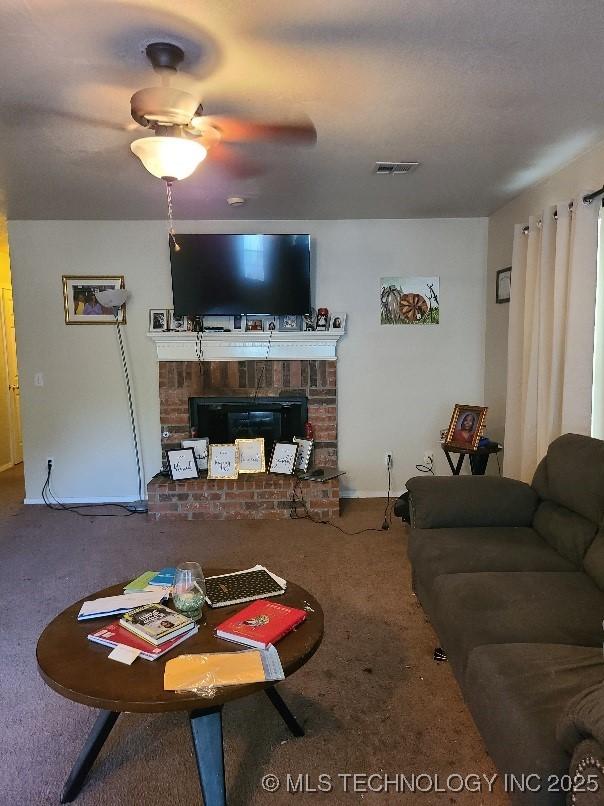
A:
270, 323
158, 320
322, 319
303, 455
338, 322
254, 323
239, 322
465, 426
182, 464
177, 324
290, 323
283, 459
223, 461
251, 455
200, 449
503, 285
81, 304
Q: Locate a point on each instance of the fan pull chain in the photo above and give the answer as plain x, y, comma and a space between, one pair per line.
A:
171, 232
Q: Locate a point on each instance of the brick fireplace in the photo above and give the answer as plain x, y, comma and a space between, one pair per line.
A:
264, 495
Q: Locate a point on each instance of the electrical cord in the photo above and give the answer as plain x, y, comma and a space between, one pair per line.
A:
52, 502
298, 502
428, 468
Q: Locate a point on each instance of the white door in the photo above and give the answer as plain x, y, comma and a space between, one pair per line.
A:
14, 394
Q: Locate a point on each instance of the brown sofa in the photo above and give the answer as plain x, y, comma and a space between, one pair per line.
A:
511, 576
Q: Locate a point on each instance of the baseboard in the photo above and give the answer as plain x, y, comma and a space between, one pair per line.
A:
90, 500
367, 494
6, 467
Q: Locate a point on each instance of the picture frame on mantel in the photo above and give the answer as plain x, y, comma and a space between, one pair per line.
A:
251, 455
182, 464
223, 461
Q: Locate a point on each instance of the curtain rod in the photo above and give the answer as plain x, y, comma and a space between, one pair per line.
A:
587, 199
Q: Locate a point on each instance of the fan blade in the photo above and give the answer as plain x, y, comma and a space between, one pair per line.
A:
235, 130
21, 113
234, 163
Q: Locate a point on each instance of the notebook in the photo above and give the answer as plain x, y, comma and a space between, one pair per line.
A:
243, 586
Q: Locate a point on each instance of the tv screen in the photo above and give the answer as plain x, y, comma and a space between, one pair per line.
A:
241, 274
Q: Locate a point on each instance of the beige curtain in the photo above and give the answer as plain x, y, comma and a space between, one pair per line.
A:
551, 333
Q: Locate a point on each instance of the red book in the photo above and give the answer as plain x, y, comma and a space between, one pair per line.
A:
261, 623
114, 634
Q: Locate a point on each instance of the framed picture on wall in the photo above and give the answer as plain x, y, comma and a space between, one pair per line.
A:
182, 464
251, 455
80, 302
465, 426
503, 285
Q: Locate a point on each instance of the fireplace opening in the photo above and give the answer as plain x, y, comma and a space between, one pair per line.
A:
225, 419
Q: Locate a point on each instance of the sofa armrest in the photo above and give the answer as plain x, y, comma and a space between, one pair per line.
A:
583, 718
449, 501
587, 774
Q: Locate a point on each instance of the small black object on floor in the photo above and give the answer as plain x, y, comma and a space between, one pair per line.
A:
440, 656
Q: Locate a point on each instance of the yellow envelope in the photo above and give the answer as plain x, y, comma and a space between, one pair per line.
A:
216, 669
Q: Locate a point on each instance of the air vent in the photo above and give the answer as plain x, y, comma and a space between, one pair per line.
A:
392, 168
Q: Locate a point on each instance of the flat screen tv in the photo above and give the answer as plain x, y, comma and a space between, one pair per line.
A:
240, 274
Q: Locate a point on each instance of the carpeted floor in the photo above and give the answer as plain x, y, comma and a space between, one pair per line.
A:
371, 700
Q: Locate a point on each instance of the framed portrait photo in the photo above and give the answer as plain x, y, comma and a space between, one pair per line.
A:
80, 302
182, 464
158, 320
200, 449
304, 452
223, 461
503, 285
178, 324
251, 455
283, 458
338, 323
465, 426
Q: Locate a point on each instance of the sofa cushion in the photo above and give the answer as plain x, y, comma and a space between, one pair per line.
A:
567, 532
441, 501
451, 551
593, 562
572, 475
516, 693
527, 607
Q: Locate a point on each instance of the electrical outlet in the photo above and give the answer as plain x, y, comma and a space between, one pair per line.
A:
50, 462
388, 461
429, 458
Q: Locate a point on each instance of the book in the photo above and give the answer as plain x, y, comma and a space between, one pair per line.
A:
260, 624
114, 634
243, 586
140, 583
114, 605
156, 623
163, 578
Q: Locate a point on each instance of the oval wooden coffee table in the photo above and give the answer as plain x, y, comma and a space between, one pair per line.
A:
79, 670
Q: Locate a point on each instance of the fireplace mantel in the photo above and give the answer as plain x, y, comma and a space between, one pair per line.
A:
296, 346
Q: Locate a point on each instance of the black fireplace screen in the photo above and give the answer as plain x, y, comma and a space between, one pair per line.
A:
225, 419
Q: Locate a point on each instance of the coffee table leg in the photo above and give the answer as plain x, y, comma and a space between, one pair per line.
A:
206, 727
96, 739
287, 716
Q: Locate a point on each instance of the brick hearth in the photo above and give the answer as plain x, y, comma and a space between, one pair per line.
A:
251, 496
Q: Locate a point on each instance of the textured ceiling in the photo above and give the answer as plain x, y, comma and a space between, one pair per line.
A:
489, 95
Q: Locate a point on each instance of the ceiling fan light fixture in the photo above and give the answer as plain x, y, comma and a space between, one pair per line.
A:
169, 158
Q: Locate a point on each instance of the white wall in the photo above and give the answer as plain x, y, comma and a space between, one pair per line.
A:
396, 387
584, 173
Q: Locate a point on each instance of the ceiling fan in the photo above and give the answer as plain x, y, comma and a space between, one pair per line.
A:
183, 135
